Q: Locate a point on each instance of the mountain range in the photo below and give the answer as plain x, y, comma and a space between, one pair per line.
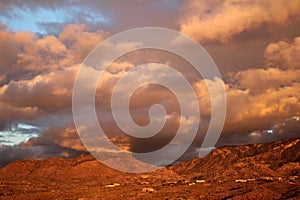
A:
257, 171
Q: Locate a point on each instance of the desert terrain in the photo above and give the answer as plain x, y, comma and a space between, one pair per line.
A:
259, 171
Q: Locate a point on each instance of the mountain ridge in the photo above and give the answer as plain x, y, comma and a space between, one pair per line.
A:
227, 172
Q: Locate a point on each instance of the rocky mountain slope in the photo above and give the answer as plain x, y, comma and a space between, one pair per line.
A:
259, 171
280, 158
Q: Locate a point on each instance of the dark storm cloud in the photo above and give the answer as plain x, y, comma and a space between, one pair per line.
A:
4, 124
57, 141
287, 129
65, 137
9, 154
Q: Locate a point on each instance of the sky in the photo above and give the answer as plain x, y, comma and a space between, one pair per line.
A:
254, 43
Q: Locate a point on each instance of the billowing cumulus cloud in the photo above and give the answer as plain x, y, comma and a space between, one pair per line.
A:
260, 97
259, 80
37, 74
79, 41
269, 94
248, 111
51, 86
220, 20
256, 99
26, 55
64, 137
283, 54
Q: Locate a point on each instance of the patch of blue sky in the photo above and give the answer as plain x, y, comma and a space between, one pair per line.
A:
28, 20
19, 133
91, 16
26, 126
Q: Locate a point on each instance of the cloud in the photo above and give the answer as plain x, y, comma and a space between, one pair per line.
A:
284, 130
55, 88
65, 137
256, 99
283, 54
248, 110
9, 111
54, 142
44, 67
79, 41
220, 20
32, 4
4, 123
112, 15
9, 56
9, 154
16, 132
160, 13
259, 97
257, 81
289, 127
28, 55
37, 73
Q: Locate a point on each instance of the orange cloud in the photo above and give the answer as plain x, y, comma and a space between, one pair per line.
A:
79, 41
64, 137
220, 20
44, 91
272, 101
283, 54
37, 73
